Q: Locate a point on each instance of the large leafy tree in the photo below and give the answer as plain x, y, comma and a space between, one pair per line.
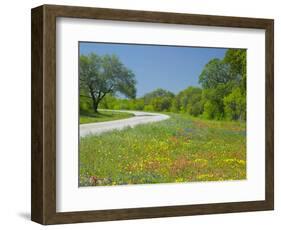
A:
224, 86
236, 58
217, 72
215, 79
102, 75
235, 103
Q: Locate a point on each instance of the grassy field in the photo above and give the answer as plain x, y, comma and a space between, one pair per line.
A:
91, 117
180, 149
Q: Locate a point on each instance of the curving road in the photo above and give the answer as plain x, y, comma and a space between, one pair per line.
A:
106, 126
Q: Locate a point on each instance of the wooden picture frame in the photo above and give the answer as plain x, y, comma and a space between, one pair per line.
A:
43, 189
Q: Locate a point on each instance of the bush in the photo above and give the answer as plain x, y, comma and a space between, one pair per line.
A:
85, 103
235, 105
148, 108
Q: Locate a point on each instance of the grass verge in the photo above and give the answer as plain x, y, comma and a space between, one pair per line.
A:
103, 115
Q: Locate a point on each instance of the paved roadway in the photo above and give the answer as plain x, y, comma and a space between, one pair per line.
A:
106, 126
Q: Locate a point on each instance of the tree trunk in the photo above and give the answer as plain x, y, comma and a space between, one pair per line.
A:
95, 107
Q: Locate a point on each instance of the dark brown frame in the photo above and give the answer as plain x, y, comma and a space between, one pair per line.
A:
43, 159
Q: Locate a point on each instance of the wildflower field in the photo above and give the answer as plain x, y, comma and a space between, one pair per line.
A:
180, 149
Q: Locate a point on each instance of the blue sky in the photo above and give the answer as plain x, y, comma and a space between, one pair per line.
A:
169, 67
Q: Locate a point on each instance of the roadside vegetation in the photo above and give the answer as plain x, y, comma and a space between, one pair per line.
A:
88, 116
180, 149
204, 140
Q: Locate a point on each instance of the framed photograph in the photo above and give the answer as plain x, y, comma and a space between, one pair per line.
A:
140, 114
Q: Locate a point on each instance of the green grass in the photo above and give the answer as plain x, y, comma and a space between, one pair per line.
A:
180, 149
91, 117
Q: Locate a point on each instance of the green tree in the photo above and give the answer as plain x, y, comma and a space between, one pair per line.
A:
221, 80
235, 105
159, 100
195, 109
102, 75
236, 58
211, 110
138, 104
175, 107
189, 100
212, 99
161, 104
216, 72
157, 93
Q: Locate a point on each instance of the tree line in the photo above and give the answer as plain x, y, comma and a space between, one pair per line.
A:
221, 94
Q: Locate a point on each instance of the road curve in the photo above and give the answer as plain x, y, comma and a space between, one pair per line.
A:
106, 126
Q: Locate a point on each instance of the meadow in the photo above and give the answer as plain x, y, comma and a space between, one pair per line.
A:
180, 149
